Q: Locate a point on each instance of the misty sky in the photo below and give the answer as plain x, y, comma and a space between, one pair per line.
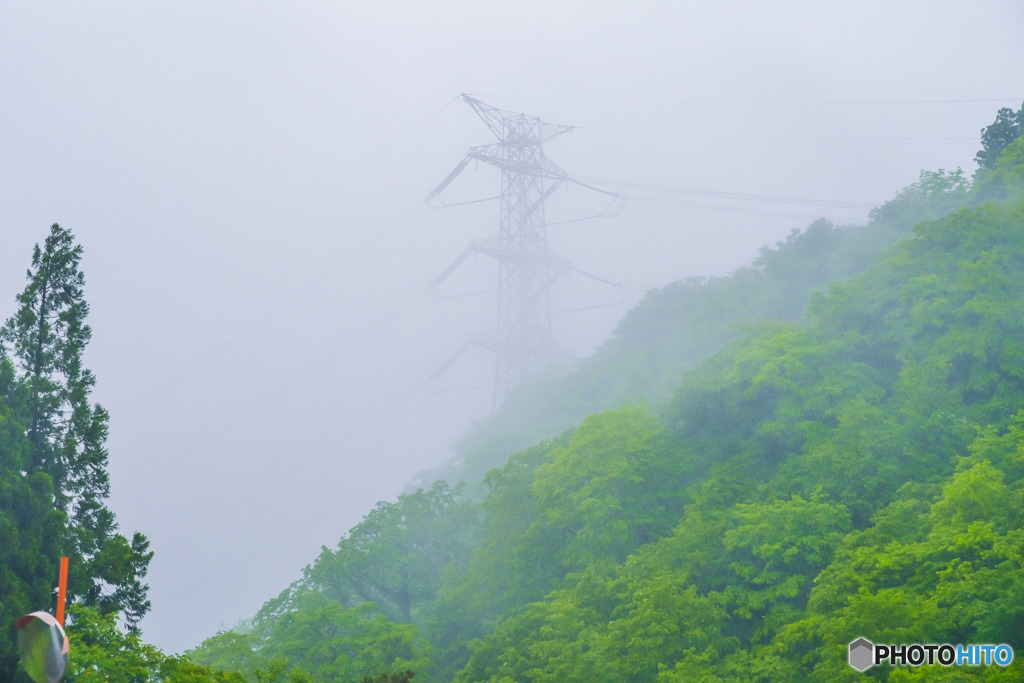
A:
236, 173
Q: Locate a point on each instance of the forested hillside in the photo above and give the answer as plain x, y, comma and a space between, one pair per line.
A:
674, 328
754, 471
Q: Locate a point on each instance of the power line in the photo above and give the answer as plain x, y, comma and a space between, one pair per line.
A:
775, 136
226, 422
744, 196
243, 332
750, 210
311, 506
425, 119
622, 100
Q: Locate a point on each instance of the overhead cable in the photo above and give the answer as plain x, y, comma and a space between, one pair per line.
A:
744, 196
622, 100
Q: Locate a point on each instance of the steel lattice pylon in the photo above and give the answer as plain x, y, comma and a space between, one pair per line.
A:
522, 342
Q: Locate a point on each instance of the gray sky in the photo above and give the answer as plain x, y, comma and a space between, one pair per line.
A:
235, 172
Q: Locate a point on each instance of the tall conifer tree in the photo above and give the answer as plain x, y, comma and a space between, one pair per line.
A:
67, 433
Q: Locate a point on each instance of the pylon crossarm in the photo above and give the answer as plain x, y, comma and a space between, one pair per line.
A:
488, 247
451, 176
491, 116
496, 155
448, 363
507, 124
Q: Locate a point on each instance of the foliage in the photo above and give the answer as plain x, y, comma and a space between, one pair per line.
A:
808, 438
823, 460
352, 613
844, 491
395, 556
1005, 180
1007, 127
53, 457
935, 194
67, 434
751, 473
102, 653
676, 327
319, 638
501, 574
400, 677
30, 527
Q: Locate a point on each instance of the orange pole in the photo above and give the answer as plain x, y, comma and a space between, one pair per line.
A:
62, 590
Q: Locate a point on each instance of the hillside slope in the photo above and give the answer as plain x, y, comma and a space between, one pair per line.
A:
849, 468
673, 328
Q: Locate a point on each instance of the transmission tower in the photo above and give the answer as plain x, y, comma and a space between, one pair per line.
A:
522, 342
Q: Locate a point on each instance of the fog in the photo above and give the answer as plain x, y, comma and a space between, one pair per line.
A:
245, 177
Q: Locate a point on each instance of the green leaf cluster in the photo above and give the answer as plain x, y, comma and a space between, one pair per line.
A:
358, 610
103, 652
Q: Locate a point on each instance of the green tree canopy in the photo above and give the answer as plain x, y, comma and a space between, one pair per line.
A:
67, 433
1008, 126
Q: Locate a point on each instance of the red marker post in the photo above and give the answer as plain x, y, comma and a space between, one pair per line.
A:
62, 590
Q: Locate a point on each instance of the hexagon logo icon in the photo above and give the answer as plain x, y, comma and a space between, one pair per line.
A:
862, 654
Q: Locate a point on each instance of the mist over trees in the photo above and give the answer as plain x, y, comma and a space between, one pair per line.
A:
996, 137
752, 471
